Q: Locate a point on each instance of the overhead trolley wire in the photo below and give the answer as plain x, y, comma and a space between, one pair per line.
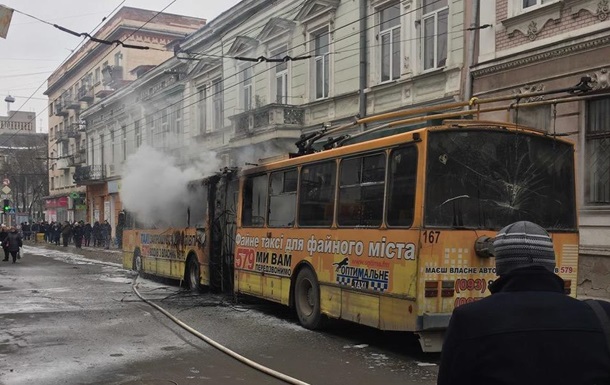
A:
183, 108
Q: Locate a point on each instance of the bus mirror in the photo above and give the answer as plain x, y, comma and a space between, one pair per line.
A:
484, 247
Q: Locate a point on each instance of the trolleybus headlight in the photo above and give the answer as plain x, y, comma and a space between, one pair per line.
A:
484, 247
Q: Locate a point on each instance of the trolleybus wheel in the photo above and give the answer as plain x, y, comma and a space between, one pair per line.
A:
307, 299
193, 277
137, 262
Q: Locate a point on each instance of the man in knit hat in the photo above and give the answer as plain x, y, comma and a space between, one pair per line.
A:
528, 331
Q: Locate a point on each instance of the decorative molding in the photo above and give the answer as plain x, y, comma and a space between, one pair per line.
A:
529, 88
242, 44
598, 8
600, 79
530, 23
315, 8
552, 54
275, 27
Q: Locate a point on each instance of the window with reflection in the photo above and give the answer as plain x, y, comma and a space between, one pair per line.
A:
317, 194
282, 198
361, 191
402, 179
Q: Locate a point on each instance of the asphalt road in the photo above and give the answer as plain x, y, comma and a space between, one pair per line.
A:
71, 320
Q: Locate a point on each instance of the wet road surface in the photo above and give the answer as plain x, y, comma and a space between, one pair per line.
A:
66, 320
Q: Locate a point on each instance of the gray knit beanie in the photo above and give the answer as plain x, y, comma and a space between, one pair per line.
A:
523, 244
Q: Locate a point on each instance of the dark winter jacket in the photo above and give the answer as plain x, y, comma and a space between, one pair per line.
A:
87, 230
3, 235
66, 230
527, 332
13, 241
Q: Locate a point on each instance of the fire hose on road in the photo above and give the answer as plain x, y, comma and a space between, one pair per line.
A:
222, 348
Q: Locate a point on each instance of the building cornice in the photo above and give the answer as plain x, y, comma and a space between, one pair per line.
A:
542, 56
100, 50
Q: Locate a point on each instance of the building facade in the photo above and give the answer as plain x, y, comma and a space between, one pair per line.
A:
18, 122
537, 45
249, 83
89, 75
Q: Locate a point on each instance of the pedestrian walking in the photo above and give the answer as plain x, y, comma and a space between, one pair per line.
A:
87, 231
13, 243
66, 233
528, 331
3, 235
77, 233
106, 233
97, 234
56, 233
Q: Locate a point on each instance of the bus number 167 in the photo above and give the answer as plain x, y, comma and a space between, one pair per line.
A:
431, 236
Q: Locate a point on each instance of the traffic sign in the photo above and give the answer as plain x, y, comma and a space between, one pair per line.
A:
6, 181
5, 196
6, 190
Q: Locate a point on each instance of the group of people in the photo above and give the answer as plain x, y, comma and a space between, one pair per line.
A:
80, 233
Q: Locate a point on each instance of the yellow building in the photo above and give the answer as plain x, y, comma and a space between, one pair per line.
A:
93, 72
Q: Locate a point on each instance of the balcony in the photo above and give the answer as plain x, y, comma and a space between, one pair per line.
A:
62, 136
72, 103
112, 76
60, 108
103, 93
88, 175
64, 163
73, 132
269, 117
85, 94
80, 157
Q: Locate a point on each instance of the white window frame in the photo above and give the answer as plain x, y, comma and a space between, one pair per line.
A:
434, 15
390, 32
124, 149
111, 160
118, 59
217, 104
280, 76
202, 108
538, 3
137, 131
246, 85
325, 61
594, 173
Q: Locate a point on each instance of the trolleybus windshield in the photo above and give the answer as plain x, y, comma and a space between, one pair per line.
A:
485, 180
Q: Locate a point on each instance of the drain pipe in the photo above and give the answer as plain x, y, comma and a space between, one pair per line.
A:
363, 62
470, 54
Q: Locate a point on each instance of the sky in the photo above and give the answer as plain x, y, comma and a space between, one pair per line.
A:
33, 49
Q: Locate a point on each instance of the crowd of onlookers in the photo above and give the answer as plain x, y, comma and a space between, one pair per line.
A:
79, 233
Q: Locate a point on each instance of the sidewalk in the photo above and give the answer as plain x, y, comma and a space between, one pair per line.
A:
100, 254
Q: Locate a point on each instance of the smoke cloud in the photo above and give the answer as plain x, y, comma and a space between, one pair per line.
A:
155, 189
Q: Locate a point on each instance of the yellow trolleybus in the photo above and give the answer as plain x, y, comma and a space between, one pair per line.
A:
392, 232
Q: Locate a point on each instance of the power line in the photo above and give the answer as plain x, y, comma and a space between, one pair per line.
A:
260, 73
66, 59
245, 69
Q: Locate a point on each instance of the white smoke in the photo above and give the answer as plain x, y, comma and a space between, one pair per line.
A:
155, 189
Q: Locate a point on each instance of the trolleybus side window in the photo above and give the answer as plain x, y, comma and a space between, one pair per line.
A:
361, 191
283, 198
401, 186
317, 194
255, 201
197, 211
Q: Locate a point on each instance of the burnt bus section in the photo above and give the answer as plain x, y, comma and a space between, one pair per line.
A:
223, 190
488, 178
